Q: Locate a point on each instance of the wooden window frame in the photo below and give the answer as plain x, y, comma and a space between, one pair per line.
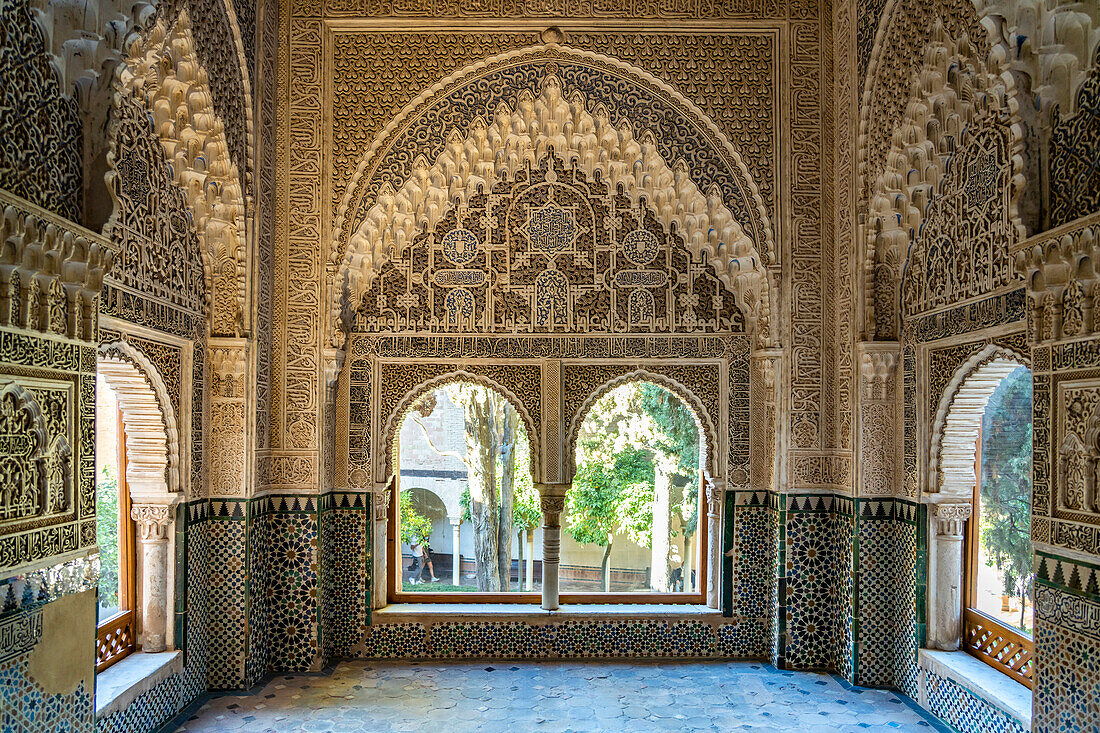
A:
1000, 646
116, 637
399, 595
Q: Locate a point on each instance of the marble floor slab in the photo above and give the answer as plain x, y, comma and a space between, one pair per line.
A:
558, 697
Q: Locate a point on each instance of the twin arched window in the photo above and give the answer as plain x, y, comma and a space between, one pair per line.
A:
469, 523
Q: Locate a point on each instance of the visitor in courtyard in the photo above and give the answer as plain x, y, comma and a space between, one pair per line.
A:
422, 560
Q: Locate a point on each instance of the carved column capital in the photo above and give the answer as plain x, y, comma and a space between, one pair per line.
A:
950, 519
334, 362
552, 502
381, 501
770, 364
152, 520
716, 494
877, 360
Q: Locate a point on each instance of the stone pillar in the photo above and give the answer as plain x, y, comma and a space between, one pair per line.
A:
878, 437
153, 521
945, 629
716, 495
552, 498
456, 556
381, 502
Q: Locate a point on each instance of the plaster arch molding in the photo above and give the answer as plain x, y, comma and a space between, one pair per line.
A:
958, 420
392, 428
708, 435
152, 435
523, 132
956, 92
165, 68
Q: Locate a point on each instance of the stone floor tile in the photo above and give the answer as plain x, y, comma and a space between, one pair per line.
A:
551, 697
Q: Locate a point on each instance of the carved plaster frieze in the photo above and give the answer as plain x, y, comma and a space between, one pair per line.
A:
959, 99
1052, 44
165, 67
51, 271
1058, 266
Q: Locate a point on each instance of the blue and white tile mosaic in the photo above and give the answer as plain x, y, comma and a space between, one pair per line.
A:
964, 710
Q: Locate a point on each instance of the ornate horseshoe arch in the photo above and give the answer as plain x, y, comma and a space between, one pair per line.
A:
152, 434
702, 191
708, 436
387, 447
959, 415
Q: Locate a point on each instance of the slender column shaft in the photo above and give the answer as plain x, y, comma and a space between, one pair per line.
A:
530, 582
552, 499
456, 556
946, 627
153, 520
716, 495
381, 501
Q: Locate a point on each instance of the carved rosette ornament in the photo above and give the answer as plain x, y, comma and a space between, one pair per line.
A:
951, 519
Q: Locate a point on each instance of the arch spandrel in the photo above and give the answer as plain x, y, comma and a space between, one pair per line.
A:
391, 428
703, 190
708, 445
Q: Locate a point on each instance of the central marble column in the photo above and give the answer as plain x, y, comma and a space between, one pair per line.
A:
552, 499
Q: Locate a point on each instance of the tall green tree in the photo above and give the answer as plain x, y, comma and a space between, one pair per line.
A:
491, 431
1005, 495
106, 535
638, 457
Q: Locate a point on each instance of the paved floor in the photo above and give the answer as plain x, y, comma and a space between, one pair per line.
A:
557, 696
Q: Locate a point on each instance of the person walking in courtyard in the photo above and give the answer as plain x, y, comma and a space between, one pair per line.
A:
423, 553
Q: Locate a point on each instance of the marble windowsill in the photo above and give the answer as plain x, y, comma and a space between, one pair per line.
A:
121, 683
412, 612
996, 688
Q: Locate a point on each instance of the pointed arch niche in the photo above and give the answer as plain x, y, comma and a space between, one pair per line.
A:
448, 235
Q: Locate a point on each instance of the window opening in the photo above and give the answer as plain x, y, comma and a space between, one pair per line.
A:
116, 633
999, 613
634, 523
467, 513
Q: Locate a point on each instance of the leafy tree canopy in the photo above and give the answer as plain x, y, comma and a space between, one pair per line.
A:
1005, 498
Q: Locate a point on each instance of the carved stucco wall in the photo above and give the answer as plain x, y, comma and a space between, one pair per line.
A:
742, 60
990, 99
